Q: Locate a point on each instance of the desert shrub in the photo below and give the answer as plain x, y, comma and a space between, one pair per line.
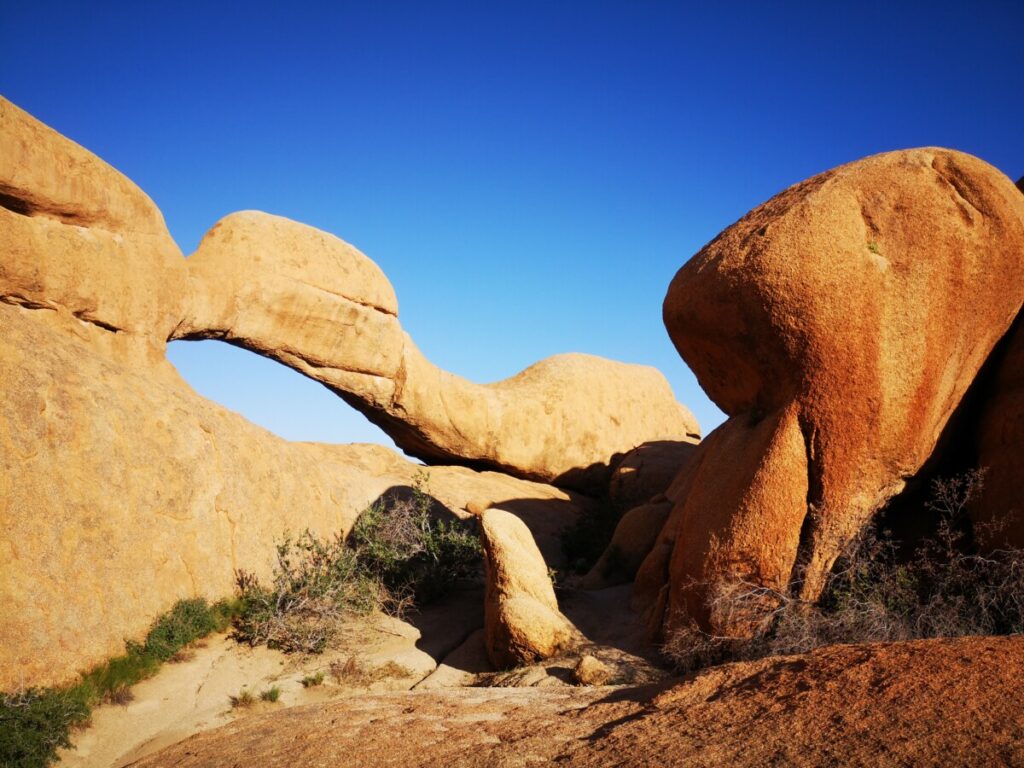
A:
313, 680
948, 588
354, 674
271, 694
35, 723
412, 552
243, 700
398, 554
315, 584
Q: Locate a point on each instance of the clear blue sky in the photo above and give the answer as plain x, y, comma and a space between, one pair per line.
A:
529, 175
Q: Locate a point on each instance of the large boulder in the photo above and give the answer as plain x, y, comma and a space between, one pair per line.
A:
1000, 506
635, 535
315, 303
522, 623
838, 325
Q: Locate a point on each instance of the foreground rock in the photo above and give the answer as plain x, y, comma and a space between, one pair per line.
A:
839, 325
522, 623
898, 704
315, 303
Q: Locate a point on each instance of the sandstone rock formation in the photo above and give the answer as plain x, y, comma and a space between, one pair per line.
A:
522, 623
317, 304
914, 703
121, 490
635, 536
838, 325
591, 671
647, 471
79, 240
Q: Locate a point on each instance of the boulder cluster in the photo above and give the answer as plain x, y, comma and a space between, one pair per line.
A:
855, 328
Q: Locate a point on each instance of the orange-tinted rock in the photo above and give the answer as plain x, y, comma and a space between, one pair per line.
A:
313, 302
839, 325
647, 471
122, 491
923, 703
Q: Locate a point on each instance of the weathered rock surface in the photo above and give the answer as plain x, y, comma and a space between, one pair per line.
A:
522, 623
79, 239
839, 325
590, 670
315, 303
122, 491
647, 471
917, 703
636, 534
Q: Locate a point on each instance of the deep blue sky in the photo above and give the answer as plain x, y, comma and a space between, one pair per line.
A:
529, 175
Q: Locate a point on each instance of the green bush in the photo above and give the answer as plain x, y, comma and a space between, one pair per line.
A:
413, 553
948, 588
398, 554
35, 723
315, 584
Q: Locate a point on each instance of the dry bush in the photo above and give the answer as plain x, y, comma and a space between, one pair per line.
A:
397, 555
946, 589
354, 674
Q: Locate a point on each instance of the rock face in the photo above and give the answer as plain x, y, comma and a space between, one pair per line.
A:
839, 325
79, 239
121, 490
317, 304
522, 623
647, 471
635, 536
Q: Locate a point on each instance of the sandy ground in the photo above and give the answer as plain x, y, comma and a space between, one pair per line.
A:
440, 648
194, 695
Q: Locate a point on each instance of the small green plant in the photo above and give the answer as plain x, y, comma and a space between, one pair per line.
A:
873, 247
272, 694
314, 680
35, 723
243, 700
